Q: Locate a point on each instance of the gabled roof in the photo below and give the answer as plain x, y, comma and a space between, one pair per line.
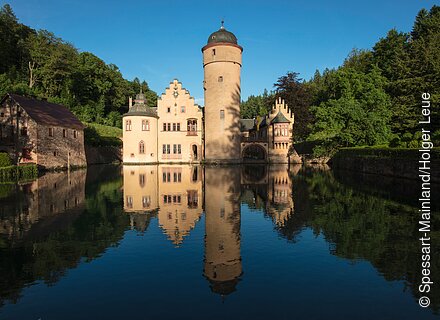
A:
280, 118
46, 113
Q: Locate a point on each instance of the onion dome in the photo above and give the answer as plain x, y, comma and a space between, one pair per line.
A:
222, 36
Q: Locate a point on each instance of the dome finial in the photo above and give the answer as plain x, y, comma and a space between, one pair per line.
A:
223, 22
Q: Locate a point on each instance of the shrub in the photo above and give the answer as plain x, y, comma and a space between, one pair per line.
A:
18, 173
5, 160
395, 142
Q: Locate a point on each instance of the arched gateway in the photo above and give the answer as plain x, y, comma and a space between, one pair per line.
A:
254, 152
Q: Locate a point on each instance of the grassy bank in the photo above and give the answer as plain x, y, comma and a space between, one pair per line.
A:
98, 135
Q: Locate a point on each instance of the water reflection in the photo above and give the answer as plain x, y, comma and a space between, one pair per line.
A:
222, 265
32, 209
60, 221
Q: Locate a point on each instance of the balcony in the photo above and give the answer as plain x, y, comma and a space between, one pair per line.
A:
191, 133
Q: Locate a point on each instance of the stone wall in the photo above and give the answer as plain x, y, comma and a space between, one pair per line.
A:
64, 148
103, 155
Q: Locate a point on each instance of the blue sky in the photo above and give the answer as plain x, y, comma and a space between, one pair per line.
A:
158, 41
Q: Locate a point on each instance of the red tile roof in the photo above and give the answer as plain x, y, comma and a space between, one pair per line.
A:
47, 113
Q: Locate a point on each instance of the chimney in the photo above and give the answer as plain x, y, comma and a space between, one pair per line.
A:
130, 102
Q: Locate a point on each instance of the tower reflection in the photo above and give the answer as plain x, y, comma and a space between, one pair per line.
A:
222, 265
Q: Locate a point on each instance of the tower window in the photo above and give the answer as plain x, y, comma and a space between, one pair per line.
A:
64, 133
213, 52
222, 114
141, 147
50, 132
220, 79
169, 110
145, 125
182, 109
128, 125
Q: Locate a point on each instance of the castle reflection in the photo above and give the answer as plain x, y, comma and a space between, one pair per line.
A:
179, 194
34, 209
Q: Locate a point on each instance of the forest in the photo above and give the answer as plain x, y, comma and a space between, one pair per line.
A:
37, 63
372, 99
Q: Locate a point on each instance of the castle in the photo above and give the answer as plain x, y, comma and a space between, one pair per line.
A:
180, 131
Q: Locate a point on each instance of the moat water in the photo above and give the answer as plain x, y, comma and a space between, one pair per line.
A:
243, 242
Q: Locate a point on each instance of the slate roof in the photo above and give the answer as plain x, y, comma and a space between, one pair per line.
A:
222, 36
280, 118
46, 113
246, 124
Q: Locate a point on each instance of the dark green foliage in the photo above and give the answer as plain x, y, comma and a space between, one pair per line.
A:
41, 64
354, 111
257, 106
298, 97
5, 160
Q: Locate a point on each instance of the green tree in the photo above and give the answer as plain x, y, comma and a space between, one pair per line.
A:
296, 94
355, 113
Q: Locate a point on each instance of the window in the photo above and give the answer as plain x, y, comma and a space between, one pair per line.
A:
213, 52
169, 126
164, 127
192, 127
23, 131
220, 79
174, 127
222, 114
141, 147
128, 125
142, 180
182, 109
75, 134
64, 133
177, 148
55, 153
146, 201
129, 201
168, 109
177, 176
50, 132
166, 149
145, 125
178, 127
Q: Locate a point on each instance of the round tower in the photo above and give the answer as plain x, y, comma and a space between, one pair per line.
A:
222, 66
139, 133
